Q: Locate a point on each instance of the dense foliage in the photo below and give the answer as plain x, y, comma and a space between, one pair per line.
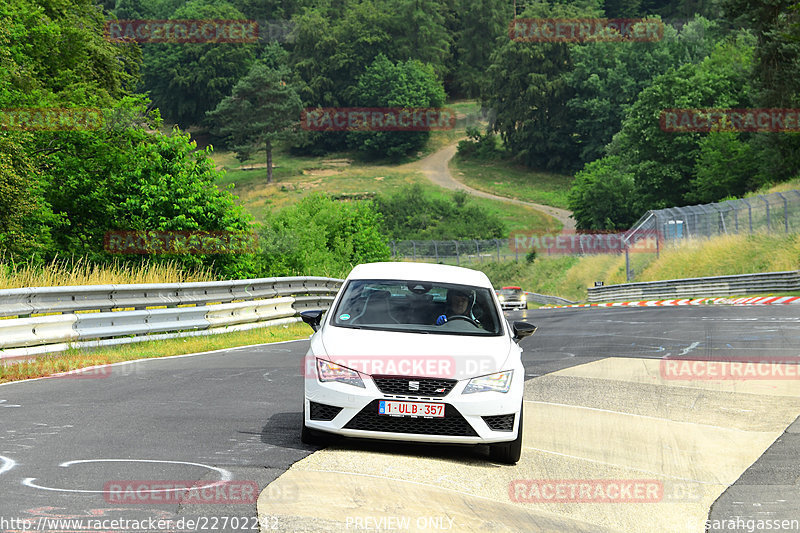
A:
411, 214
320, 236
588, 108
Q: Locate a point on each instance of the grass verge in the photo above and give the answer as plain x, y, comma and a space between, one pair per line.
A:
81, 272
570, 276
513, 181
49, 364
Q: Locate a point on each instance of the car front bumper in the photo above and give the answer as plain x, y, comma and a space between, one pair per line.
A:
464, 421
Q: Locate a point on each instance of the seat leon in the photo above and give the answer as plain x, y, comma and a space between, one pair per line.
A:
416, 352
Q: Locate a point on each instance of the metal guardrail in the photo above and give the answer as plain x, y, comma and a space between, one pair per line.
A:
112, 314
699, 287
546, 299
39, 300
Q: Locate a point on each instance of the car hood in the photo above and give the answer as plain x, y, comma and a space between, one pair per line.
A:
414, 354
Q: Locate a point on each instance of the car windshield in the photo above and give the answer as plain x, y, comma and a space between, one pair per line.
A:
418, 307
510, 292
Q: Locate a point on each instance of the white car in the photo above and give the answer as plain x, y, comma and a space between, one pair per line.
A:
416, 352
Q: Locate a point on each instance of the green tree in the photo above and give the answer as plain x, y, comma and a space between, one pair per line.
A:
320, 236
185, 80
128, 179
603, 196
25, 218
608, 76
262, 110
528, 90
403, 84
54, 54
727, 165
479, 25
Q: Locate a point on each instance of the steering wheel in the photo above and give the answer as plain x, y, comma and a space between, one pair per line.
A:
464, 317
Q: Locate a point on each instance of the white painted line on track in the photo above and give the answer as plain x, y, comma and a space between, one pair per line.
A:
158, 359
6, 464
225, 475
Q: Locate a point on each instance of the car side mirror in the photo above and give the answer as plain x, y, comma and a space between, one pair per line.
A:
522, 330
312, 318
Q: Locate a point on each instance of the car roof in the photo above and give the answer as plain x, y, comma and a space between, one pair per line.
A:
421, 272
515, 288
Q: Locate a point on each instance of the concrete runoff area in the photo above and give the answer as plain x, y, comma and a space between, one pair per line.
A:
613, 422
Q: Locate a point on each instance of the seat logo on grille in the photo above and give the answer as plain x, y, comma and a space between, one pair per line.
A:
440, 390
413, 385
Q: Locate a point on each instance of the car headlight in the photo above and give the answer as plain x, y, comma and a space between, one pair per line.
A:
523, 298
328, 371
499, 382
502, 298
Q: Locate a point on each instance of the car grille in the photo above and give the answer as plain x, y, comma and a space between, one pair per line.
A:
500, 422
320, 411
453, 424
432, 388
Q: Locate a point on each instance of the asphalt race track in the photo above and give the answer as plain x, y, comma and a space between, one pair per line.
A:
598, 407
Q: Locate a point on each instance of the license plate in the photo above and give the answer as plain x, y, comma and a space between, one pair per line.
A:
434, 410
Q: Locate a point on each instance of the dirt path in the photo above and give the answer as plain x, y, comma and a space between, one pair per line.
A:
435, 167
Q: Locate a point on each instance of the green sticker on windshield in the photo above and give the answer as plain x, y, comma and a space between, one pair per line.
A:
344, 316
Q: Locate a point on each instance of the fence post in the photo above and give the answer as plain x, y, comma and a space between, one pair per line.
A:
478, 248
497, 242
394, 249
785, 213
749, 213
458, 257
414, 244
766, 202
627, 264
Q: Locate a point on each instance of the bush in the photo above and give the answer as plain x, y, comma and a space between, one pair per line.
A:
484, 147
322, 237
411, 214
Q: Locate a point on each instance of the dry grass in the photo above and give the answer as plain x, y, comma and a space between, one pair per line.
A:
731, 254
80, 272
569, 277
63, 362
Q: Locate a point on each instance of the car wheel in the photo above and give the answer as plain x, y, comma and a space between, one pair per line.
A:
309, 436
508, 452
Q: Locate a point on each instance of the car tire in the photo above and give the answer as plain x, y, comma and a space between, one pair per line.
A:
508, 452
309, 436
